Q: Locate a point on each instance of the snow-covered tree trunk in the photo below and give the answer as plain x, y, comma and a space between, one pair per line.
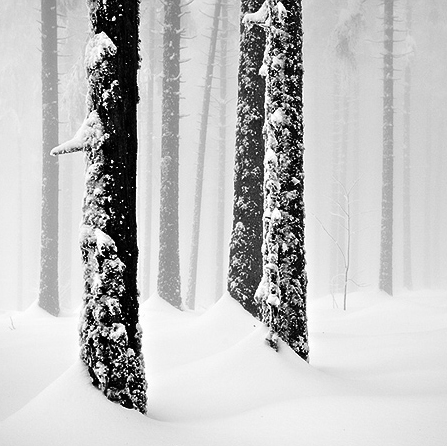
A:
168, 283
386, 245
110, 334
49, 293
245, 262
193, 260
282, 290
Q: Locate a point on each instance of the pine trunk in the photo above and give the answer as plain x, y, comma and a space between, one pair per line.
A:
220, 222
386, 245
191, 297
147, 246
109, 330
245, 261
49, 293
283, 288
168, 283
407, 270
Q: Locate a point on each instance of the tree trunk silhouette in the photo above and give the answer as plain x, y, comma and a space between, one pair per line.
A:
49, 293
168, 283
220, 221
147, 245
192, 282
407, 269
386, 244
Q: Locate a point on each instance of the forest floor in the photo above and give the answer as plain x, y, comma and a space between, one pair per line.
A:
377, 376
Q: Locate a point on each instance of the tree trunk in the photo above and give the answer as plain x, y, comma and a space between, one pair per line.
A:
386, 245
49, 294
407, 270
282, 290
245, 260
335, 258
110, 334
168, 284
191, 297
220, 222
147, 246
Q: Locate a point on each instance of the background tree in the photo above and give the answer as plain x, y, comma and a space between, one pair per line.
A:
109, 330
168, 284
283, 288
346, 38
201, 156
245, 261
49, 293
223, 73
386, 243
148, 78
409, 54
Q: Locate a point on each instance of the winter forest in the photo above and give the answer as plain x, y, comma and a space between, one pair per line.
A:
222, 222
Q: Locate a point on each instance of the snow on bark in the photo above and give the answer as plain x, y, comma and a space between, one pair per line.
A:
110, 335
245, 261
282, 290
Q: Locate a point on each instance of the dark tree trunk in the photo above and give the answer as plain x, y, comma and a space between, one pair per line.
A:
283, 288
49, 294
109, 330
245, 260
191, 297
386, 245
169, 263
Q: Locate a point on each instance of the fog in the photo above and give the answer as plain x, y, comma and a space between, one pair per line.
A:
20, 150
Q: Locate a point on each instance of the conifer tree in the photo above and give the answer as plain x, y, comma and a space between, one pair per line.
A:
409, 54
168, 283
49, 293
386, 244
192, 279
110, 334
283, 288
220, 216
245, 261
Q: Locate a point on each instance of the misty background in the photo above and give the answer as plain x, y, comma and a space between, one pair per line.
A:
20, 145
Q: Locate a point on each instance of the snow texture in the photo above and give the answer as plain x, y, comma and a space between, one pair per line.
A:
90, 133
376, 376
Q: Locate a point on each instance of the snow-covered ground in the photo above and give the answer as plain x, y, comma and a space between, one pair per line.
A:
377, 376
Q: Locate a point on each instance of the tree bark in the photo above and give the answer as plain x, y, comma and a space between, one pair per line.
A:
110, 335
283, 288
386, 245
245, 260
168, 283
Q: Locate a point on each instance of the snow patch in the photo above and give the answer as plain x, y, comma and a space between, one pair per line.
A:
97, 48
